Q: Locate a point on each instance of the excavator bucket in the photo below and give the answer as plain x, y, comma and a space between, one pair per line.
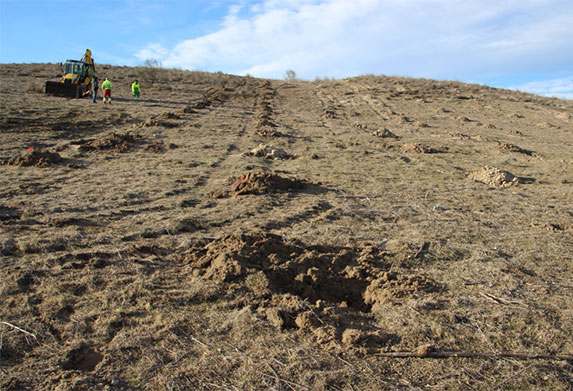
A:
63, 89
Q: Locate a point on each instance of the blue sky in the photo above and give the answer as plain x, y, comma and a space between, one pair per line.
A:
520, 44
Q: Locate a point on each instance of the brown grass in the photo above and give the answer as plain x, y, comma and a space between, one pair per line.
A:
394, 252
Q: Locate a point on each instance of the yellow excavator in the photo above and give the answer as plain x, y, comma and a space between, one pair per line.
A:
77, 79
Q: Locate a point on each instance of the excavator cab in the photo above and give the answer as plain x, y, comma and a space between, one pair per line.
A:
75, 72
77, 79
74, 67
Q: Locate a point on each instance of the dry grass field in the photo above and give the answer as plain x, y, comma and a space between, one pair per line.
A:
233, 233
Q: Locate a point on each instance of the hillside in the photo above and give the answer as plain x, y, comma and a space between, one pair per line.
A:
233, 233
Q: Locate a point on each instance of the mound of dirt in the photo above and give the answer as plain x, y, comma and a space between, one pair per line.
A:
36, 158
268, 132
159, 147
263, 121
417, 148
264, 113
463, 136
264, 183
286, 266
260, 183
112, 142
329, 113
393, 286
514, 148
384, 133
263, 117
495, 177
164, 120
292, 282
265, 107
269, 152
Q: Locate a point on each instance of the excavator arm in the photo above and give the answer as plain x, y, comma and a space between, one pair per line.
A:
89, 63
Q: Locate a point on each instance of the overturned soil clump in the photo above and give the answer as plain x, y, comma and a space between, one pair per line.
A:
36, 158
391, 286
290, 282
258, 183
112, 142
514, 148
417, 148
264, 183
495, 177
384, 133
268, 132
269, 152
164, 120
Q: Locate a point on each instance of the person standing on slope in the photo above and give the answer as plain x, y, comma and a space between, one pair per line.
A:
94, 89
106, 87
136, 89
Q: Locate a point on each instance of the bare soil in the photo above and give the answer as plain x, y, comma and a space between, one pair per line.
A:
372, 233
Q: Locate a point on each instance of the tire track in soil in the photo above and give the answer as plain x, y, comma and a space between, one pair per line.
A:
214, 107
114, 120
290, 220
214, 104
144, 205
241, 113
264, 108
264, 121
365, 96
345, 102
329, 104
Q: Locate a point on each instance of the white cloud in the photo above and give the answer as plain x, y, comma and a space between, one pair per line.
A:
425, 38
559, 88
152, 51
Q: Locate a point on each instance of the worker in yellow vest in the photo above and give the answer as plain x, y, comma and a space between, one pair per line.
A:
106, 87
136, 89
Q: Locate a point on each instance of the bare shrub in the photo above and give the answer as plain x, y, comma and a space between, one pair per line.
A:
290, 75
152, 72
